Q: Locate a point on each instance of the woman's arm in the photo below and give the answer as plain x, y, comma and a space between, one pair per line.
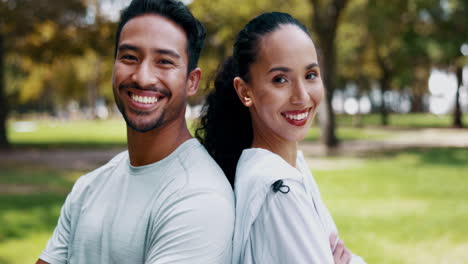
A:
288, 229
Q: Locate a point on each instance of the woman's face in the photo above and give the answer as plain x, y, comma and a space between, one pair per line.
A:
286, 88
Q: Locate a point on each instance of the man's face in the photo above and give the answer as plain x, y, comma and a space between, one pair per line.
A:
150, 80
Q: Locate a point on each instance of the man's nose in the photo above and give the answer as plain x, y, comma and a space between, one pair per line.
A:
145, 75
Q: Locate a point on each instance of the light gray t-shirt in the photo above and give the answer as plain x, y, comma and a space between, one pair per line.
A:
177, 210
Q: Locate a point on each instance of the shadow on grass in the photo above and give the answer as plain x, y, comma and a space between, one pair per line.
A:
453, 157
23, 214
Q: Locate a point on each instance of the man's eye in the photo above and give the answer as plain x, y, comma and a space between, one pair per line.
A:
279, 79
128, 57
165, 62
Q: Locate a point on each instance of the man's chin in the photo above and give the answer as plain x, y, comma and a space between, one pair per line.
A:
143, 126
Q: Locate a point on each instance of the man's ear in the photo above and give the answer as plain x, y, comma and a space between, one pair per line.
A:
193, 81
243, 91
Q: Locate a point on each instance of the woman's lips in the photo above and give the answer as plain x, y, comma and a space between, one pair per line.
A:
297, 117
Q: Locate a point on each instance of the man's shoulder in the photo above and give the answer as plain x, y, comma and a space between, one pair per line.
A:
199, 170
197, 163
102, 172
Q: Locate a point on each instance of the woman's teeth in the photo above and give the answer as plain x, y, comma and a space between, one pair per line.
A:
298, 116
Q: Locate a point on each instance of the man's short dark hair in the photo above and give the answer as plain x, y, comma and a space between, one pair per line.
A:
177, 12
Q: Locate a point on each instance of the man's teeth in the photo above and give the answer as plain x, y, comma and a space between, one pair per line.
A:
297, 117
144, 99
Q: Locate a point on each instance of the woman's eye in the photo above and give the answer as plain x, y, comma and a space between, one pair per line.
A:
279, 79
311, 76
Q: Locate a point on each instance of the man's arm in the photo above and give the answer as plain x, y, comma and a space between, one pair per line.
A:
40, 261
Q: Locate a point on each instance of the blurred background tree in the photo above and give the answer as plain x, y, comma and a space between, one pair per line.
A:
449, 20
375, 56
33, 33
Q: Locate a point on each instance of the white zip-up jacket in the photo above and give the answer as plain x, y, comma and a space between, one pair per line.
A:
290, 224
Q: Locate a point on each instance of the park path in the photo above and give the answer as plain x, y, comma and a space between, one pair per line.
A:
401, 139
87, 159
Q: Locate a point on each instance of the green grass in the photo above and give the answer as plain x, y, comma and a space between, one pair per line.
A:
76, 134
29, 216
353, 133
410, 120
404, 207
112, 133
395, 207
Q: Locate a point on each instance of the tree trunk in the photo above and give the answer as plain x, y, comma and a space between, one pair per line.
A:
457, 113
328, 126
3, 101
325, 23
417, 105
384, 87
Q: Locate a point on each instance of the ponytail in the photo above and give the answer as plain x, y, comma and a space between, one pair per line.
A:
225, 127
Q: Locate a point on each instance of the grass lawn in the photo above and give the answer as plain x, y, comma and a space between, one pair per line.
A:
30, 202
75, 134
111, 133
402, 207
410, 120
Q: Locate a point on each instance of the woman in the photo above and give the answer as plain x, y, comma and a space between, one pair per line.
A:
265, 98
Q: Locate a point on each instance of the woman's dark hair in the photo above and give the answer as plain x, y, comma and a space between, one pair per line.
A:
225, 127
175, 11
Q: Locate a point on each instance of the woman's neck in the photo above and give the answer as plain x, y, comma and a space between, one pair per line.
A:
285, 149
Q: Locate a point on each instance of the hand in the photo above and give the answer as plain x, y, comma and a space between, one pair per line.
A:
341, 255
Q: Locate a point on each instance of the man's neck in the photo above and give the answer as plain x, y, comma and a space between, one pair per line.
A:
153, 146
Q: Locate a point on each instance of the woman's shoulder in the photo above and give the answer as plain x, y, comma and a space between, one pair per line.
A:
261, 165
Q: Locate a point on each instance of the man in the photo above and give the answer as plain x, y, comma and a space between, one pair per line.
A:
164, 200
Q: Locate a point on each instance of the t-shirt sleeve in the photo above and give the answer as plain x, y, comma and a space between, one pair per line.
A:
193, 228
287, 230
56, 251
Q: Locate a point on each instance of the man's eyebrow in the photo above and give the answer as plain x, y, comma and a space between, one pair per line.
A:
312, 65
169, 52
283, 69
124, 47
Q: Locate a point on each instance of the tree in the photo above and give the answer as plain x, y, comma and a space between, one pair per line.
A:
21, 22
450, 21
399, 37
326, 16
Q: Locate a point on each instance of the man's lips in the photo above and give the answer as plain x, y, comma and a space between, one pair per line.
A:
144, 99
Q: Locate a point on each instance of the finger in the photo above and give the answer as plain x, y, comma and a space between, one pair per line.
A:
347, 256
338, 251
333, 240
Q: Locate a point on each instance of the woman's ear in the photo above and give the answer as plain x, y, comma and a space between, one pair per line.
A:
243, 91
